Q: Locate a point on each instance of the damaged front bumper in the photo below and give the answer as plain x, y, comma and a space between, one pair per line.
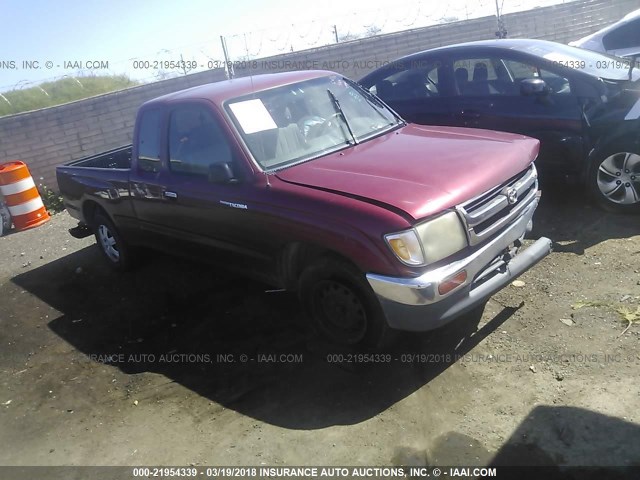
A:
416, 304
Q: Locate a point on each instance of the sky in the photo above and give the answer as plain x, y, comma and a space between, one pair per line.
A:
43, 40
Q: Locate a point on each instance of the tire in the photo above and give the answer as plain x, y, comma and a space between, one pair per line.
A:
113, 248
341, 305
614, 178
5, 219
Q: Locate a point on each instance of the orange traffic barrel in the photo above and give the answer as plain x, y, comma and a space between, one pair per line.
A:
21, 196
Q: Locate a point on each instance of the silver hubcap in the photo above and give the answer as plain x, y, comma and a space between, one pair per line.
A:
108, 243
619, 178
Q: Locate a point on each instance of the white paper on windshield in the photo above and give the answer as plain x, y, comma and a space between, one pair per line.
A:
252, 116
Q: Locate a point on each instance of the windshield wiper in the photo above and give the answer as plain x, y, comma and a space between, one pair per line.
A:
338, 109
373, 100
376, 102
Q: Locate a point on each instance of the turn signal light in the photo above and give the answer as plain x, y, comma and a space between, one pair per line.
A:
452, 282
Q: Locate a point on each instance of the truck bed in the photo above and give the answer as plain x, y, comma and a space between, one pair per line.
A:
102, 178
117, 158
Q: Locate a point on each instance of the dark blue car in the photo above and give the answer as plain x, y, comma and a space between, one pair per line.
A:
583, 106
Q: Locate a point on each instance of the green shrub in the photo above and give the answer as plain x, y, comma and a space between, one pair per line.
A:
61, 91
53, 201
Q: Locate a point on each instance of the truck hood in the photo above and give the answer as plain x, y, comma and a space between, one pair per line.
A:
420, 170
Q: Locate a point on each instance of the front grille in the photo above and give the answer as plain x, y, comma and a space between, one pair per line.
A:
490, 212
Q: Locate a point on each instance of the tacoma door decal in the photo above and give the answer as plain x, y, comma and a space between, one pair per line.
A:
234, 205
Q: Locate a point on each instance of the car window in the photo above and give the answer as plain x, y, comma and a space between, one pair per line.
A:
149, 141
625, 36
497, 76
196, 141
475, 76
409, 81
519, 71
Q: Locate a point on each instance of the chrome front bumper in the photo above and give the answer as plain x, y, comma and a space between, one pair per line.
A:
415, 304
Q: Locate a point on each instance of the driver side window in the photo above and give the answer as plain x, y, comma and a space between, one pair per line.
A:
196, 141
519, 71
480, 77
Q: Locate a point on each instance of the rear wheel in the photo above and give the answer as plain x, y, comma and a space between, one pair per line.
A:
614, 179
341, 305
110, 243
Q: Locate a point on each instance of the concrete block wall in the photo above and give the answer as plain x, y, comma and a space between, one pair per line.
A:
52, 136
569, 21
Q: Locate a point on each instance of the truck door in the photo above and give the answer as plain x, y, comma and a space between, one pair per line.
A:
147, 174
199, 197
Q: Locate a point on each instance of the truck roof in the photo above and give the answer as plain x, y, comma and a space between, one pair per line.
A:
223, 90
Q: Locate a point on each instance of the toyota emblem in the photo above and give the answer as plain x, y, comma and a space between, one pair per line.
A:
512, 195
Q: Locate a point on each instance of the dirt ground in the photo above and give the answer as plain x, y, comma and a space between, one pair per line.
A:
99, 368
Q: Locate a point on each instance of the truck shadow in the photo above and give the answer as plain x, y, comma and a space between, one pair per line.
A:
574, 224
561, 442
572, 436
233, 341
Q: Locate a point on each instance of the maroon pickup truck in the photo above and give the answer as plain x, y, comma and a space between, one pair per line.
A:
314, 185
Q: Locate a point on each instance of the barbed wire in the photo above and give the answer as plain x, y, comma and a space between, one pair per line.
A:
277, 39
406, 15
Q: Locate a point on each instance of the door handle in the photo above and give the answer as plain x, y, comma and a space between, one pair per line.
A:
169, 194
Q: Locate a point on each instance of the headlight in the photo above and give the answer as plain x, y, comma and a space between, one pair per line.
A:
430, 241
442, 236
406, 246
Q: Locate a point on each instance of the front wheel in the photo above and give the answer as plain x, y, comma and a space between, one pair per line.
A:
341, 305
111, 244
614, 179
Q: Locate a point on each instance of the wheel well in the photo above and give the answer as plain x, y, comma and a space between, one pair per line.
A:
609, 143
295, 257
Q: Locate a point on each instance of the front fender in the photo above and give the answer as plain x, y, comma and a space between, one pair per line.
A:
625, 133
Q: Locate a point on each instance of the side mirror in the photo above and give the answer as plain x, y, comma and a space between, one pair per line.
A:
533, 86
221, 173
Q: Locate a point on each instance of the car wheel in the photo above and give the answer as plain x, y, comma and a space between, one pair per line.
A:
341, 305
5, 219
110, 243
614, 179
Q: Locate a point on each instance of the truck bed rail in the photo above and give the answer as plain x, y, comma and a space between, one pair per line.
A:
117, 158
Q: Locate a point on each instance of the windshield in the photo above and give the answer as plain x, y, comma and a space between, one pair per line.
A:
304, 120
593, 63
